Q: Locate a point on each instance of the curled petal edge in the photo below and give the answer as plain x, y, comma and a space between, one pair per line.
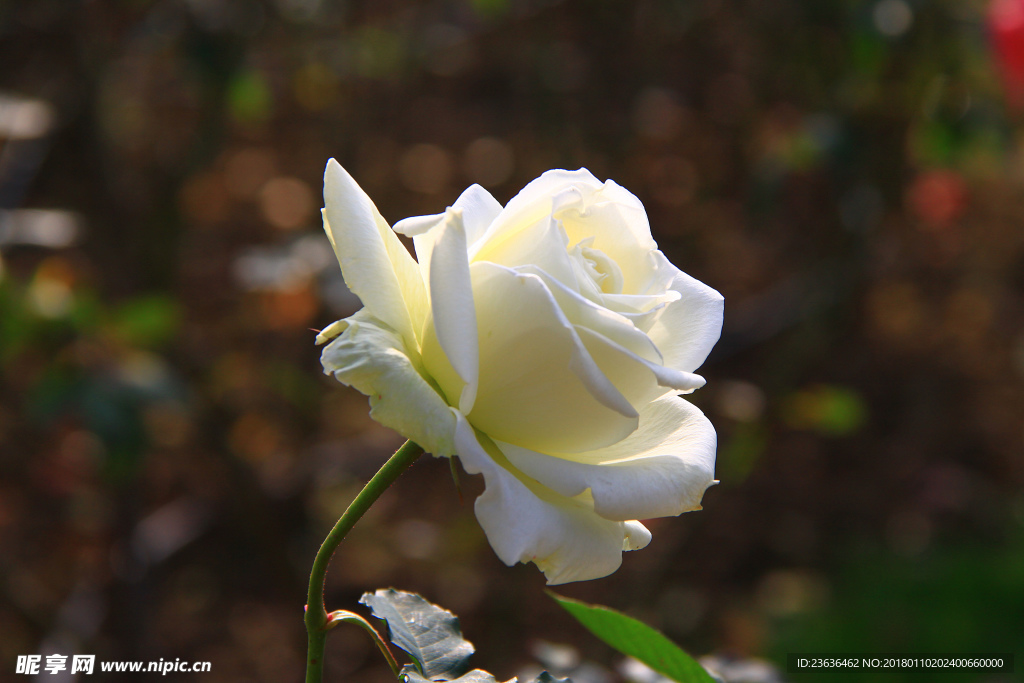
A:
661, 470
524, 522
689, 327
371, 357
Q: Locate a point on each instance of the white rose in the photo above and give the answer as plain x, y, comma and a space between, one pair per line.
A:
544, 343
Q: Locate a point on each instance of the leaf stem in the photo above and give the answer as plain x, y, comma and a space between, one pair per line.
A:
317, 622
340, 615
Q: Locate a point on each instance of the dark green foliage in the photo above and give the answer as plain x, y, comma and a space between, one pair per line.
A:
429, 634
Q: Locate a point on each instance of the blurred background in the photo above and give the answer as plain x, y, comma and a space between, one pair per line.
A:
849, 174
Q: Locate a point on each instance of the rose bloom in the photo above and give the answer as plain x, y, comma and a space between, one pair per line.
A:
545, 343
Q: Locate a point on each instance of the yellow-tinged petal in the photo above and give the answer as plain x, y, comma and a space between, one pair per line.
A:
372, 358
451, 302
376, 266
687, 329
661, 470
539, 387
525, 523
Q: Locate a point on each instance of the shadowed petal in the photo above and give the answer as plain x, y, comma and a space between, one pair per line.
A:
661, 470
526, 523
371, 357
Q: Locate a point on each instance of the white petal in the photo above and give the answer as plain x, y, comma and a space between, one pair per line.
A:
451, 300
479, 209
582, 311
376, 266
617, 222
640, 380
417, 225
539, 387
535, 203
643, 310
633, 212
625, 354
526, 523
541, 245
538, 193
661, 470
609, 216
330, 332
637, 536
373, 359
688, 328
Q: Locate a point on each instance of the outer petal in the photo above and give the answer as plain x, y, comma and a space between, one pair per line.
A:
413, 226
376, 266
687, 329
371, 357
539, 387
451, 301
661, 470
637, 536
479, 209
527, 523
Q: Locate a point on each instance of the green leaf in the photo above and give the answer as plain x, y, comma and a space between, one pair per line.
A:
636, 639
430, 634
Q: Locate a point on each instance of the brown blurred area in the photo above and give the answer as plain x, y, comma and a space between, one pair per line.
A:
847, 174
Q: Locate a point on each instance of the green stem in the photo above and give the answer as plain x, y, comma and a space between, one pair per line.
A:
340, 615
316, 612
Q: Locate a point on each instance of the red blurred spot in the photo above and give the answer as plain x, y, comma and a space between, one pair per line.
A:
938, 198
1006, 26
